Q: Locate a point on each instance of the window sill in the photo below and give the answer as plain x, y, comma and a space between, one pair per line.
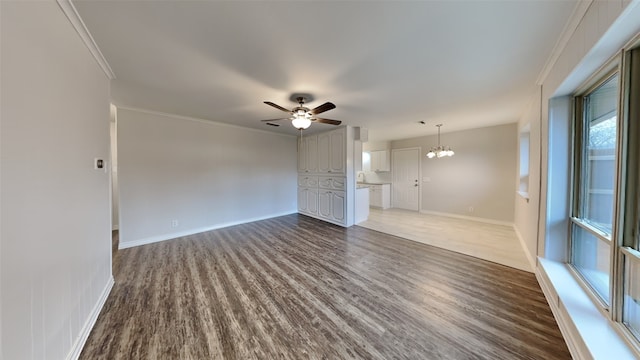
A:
588, 333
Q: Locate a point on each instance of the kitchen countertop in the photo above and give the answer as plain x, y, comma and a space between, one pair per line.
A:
370, 183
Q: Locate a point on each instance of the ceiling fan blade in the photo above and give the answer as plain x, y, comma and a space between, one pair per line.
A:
327, 121
277, 106
272, 124
322, 108
269, 120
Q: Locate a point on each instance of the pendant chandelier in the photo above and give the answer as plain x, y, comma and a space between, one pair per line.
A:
440, 150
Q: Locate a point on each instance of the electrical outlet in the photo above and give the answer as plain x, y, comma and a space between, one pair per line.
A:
174, 223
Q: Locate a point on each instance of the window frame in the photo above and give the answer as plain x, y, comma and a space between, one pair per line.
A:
606, 73
625, 232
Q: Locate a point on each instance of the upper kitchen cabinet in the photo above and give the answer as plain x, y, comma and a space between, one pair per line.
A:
323, 153
308, 154
378, 160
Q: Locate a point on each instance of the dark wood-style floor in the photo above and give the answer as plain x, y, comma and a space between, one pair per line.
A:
297, 288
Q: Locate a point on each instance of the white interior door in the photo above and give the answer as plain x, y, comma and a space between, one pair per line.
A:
405, 193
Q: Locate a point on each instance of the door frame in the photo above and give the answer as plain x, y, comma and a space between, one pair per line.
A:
419, 158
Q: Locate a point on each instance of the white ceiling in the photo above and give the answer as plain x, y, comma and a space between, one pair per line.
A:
386, 65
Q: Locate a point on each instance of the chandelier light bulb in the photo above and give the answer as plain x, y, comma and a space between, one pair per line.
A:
440, 150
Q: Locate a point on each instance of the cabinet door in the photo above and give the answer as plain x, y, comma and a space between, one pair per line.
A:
324, 203
302, 155
311, 148
312, 201
325, 182
324, 146
385, 161
303, 204
307, 181
337, 183
375, 161
338, 204
380, 161
375, 196
337, 152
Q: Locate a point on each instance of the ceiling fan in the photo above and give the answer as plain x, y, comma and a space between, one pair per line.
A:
301, 116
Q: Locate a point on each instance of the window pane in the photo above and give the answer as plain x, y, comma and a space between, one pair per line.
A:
631, 310
598, 165
591, 257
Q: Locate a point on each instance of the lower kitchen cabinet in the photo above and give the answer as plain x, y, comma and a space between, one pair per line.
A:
331, 205
308, 201
380, 196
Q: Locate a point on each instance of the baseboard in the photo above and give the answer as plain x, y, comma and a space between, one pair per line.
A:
532, 260
164, 237
463, 217
74, 354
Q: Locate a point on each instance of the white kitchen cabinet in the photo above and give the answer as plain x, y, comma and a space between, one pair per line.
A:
307, 181
380, 160
337, 156
325, 176
308, 201
308, 154
331, 182
380, 196
331, 205
331, 154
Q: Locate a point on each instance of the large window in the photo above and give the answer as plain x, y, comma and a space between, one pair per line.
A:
605, 215
596, 176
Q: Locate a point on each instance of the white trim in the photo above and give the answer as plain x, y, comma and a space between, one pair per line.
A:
532, 260
203, 121
76, 349
74, 18
115, 227
574, 343
170, 236
588, 333
576, 17
472, 218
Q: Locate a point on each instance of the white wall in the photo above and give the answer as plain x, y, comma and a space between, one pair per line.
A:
56, 256
526, 209
592, 42
203, 174
479, 175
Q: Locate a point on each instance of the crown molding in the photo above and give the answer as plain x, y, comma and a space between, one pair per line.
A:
574, 20
74, 18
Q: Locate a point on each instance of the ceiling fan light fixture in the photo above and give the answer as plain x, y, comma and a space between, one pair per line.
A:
301, 122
